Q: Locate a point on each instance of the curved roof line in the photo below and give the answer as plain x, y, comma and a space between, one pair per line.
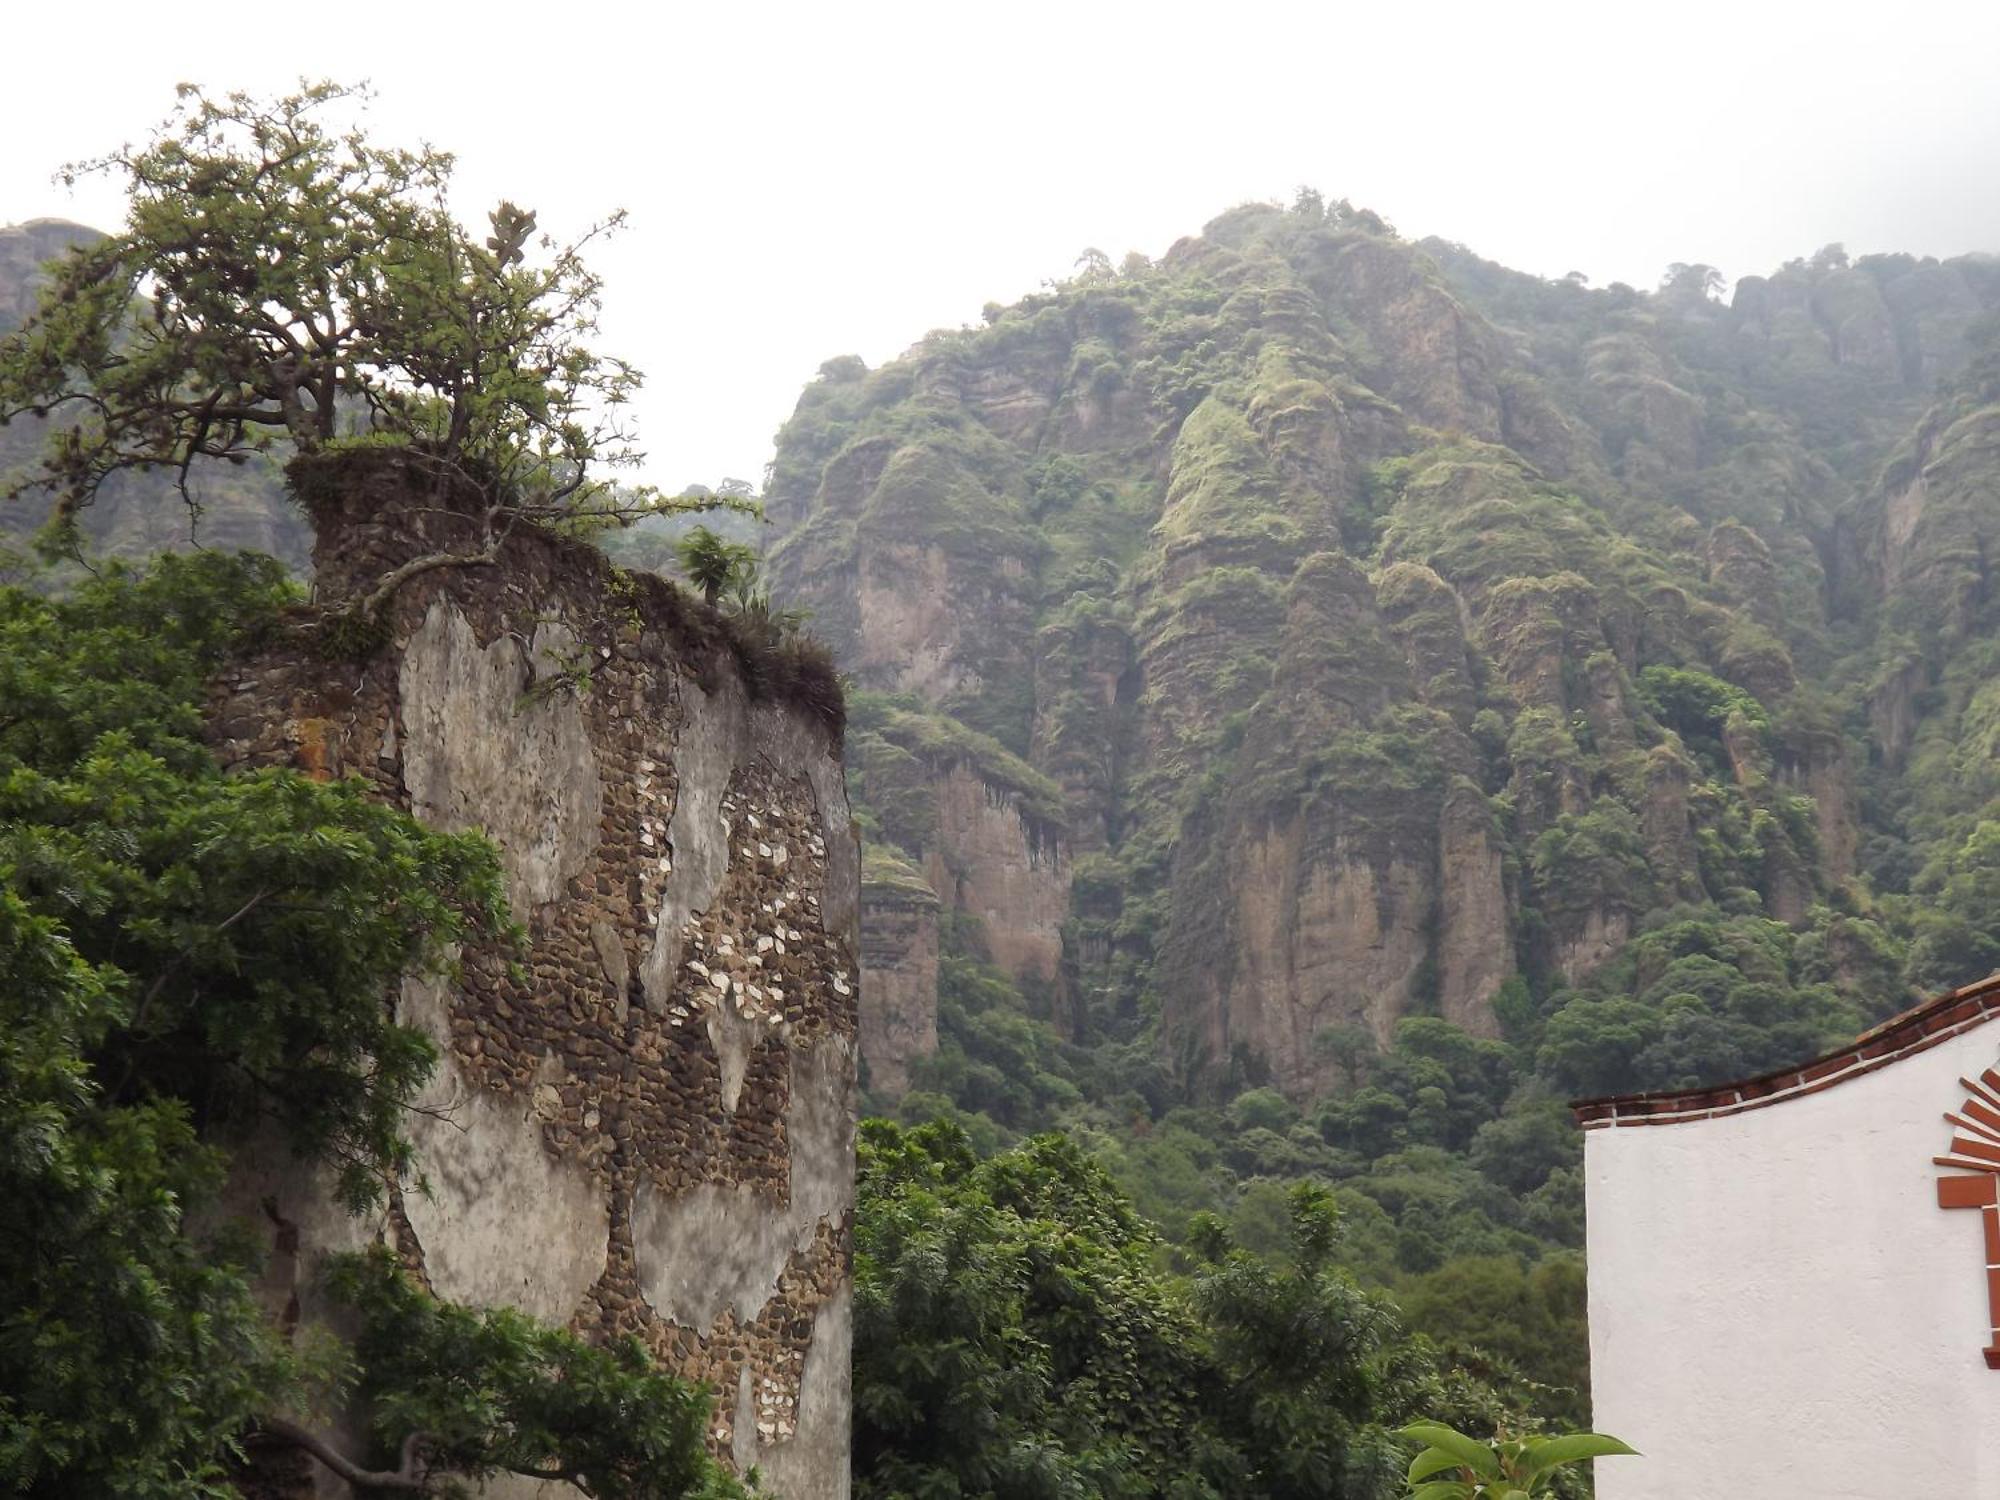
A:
1921, 1027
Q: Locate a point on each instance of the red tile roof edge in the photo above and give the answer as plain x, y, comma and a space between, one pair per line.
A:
1921, 1027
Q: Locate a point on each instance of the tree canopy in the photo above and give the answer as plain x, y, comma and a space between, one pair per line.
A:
1016, 1333
283, 283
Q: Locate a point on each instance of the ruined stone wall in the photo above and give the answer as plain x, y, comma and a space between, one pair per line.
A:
643, 1122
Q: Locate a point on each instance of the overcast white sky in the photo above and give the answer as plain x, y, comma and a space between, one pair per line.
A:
813, 180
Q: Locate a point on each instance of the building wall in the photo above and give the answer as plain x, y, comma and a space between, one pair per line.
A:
1779, 1306
643, 1122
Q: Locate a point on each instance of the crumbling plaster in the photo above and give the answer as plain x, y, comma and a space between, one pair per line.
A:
643, 1120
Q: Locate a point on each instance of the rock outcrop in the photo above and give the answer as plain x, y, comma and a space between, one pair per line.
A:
982, 834
899, 971
24, 250
996, 864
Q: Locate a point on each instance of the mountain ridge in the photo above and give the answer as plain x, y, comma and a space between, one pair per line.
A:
1342, 584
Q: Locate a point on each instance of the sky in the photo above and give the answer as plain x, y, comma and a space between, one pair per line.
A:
805, 181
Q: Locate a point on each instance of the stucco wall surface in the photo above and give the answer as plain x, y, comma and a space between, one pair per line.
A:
643, 1119
1779, 1307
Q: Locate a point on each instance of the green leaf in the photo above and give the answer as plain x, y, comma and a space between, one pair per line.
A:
1432, 1461
1476, 1456
1452, 1490
1547, 1453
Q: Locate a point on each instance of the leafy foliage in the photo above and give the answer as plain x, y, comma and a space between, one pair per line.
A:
493, 1391
1015, 1335
713, 564
283, 279
1507, 1469
131, 1352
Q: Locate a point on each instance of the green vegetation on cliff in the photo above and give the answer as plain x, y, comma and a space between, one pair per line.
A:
1464, 692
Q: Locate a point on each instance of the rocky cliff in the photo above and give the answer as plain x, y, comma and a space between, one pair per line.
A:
644, 1120
899, 957
1383, 628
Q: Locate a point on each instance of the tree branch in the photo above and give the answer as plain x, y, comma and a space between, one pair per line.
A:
397, 576
409, 1476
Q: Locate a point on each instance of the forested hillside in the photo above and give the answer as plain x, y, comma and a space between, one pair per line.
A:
1323, 700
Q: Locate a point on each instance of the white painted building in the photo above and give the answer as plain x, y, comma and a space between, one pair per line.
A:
1795, 1279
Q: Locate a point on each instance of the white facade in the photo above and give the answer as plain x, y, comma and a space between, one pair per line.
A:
1779, 1307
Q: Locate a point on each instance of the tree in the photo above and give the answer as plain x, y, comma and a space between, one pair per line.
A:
1093, 267
714, 564
282, 284
1309, 1363
186, 957
1011, 1336
1493, 1308
1691, 282
465, 1394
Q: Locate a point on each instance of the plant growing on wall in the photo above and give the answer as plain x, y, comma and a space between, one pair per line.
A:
714, 564
1453, 1466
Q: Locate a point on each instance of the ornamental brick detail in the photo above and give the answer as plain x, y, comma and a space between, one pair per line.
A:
1970, 1182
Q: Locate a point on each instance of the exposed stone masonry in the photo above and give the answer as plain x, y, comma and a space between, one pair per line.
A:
646, 1112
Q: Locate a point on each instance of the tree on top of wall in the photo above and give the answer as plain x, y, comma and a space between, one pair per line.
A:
284, 285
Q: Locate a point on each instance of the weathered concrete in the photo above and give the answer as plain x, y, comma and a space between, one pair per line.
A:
821, 1433
503, 1222
720, 1248
475, 719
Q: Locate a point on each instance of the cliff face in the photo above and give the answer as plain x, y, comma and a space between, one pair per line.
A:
1389, 627
899, 959
958, 827
138, 515
644, 1120
994, 864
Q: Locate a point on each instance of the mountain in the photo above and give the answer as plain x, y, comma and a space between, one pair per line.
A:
1314, 630
137, 515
